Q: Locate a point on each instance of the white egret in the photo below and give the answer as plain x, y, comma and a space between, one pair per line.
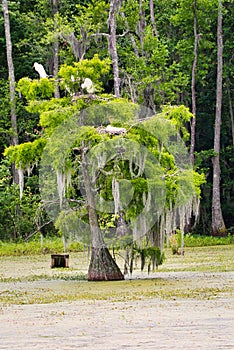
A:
115, 131
88, 86
40, 70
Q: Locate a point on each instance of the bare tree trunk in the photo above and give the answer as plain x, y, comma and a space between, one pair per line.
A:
56, 49
141, 24
155, 32
218, 226
56, 68
230, 109
193, 90
14, 138
102, 266
112, 45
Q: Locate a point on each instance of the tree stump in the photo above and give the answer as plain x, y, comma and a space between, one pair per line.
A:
59, 260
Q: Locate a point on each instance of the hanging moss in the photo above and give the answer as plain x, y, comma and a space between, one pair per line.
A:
150, 256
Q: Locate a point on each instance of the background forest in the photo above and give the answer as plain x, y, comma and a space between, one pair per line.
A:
150, 52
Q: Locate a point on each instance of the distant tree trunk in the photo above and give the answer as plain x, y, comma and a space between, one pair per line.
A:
230, 109
148, 94
14, 138
112, 44
55, 68
193, 90
142, 25
155, 32
102, 266
56, 49
218, 226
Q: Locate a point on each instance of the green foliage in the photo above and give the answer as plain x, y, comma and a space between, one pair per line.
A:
88, 18
154, 134
152, 78
183, 20
140, 187
5, 175
180, 182
25, 154
203, 159
199, 180
17, 216
5, 123
36, 89
179, 115
183, 184
91, 15
73, 76
48, 105
52, 118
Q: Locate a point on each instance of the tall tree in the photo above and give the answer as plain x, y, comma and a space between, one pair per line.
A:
218, 226
14, 138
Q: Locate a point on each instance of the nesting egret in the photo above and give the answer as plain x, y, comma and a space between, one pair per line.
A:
40, 70
115, 131
88, 86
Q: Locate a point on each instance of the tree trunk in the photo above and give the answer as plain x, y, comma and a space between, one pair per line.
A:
193, 90
112, 45
154, 28
218, 226
55, 49
55, 68
230, 109
14, 138
142, 25
102, 266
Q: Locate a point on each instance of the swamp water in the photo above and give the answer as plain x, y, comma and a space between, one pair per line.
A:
173, 308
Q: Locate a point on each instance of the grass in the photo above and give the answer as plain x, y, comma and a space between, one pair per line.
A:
192, 240
34, 247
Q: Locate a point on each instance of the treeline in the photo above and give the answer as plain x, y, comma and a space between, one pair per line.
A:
161, 53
